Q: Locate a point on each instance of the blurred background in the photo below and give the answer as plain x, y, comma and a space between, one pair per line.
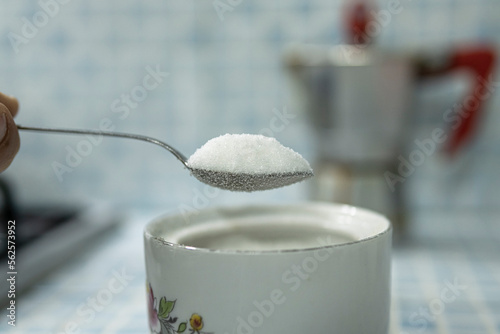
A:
186, 71
224, 76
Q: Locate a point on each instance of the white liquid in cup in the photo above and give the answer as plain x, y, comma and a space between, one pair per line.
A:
262, 234
265, 237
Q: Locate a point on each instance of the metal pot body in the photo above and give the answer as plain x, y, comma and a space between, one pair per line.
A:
357, 98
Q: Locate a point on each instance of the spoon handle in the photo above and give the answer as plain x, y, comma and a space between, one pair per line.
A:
172, 150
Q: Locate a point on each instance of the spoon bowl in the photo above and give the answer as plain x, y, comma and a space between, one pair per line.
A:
248, 182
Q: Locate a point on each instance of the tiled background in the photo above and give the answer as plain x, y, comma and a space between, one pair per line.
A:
228, 76
224, 76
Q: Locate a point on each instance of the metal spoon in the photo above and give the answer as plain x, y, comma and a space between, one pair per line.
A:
224, 180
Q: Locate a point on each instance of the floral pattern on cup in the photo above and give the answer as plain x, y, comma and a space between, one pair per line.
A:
162, 322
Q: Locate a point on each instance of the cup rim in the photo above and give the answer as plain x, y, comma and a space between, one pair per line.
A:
344, 209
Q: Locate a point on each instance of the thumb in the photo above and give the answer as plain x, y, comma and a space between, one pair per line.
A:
9, 138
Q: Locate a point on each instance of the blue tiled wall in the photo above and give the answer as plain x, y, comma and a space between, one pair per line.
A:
223, 76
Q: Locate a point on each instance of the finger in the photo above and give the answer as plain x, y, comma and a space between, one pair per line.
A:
9, 138
10, 102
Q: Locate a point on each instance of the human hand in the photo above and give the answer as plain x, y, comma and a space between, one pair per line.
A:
9, 135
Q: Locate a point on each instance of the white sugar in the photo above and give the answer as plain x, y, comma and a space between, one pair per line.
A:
248, 154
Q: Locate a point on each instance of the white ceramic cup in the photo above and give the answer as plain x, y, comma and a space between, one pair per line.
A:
306, 268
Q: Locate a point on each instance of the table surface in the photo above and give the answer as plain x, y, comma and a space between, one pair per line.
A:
446, 279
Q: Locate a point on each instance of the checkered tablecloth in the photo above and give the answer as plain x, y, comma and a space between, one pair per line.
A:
446, 279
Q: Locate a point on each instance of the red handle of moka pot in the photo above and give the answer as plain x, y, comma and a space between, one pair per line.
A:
480, 62
358, 14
